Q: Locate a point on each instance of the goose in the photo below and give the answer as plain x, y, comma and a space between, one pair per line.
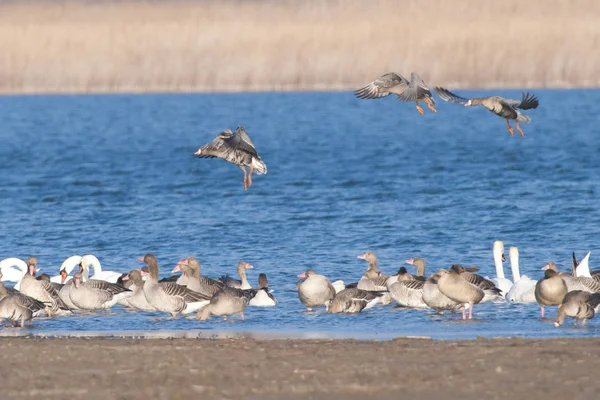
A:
135, 283
490, 291
575, 282
65, 295
523, 288
408, 293
16, 306
94, 294
227, 301
353, 300
170, 297
373, 279
550, 290
500, 280
263, 297
236, 148
420, 265
435, 299
504, 108
42, 290
401, 275
67, 266
459, 286
13, 269
190, 267
393, 83
99, 274
242, 283
578, 304
314, 290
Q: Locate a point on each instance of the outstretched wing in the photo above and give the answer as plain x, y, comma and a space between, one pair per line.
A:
217, 147
241, 141
450, 97
527, 102
417, 90
383, 86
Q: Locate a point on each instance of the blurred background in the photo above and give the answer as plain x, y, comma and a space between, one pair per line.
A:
262, 45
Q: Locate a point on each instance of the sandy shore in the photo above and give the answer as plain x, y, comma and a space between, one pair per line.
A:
299, 369
66, 46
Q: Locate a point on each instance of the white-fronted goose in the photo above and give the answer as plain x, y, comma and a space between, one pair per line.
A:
575, 282
190, 267
314, 290
168, 296
434, 298
504, 108
578, 304
458, 286
500, 280
135, 283
227, 301
17, 307
392, 83
236, 148
242, 283
263, 297
42, 290
550, 290
94, 294
523, 288
353, 300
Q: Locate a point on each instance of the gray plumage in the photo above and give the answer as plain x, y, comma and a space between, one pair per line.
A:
578, 304
408, 293
314, 290
227, 301
353, 301
17, 307
436, 299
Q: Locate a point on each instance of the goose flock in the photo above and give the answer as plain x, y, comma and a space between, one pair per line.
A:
237, 148
576, 293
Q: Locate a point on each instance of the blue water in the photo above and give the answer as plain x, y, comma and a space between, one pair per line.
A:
114, 176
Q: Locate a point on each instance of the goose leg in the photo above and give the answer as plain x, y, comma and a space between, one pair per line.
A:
510, 129
245, 179
463, 311
250, 176
224, 317
583, 322
242, 316
471, 311
542, 309
429, 105
576, 320
419, 109
519, 129
22, 323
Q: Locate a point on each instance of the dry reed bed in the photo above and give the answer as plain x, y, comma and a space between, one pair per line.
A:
131, 46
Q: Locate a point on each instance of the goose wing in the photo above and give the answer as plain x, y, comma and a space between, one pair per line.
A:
29, 302
450, 97
112, 288
218, 147
478, 280
189, 296
417, 90
383, 86
528, 101
53, 293
241, 141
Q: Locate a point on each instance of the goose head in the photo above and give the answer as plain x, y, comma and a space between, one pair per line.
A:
307, 274
32, 265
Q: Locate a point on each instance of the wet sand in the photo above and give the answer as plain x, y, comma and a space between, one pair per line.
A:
299, 369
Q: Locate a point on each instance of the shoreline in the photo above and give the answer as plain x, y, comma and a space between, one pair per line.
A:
317, 369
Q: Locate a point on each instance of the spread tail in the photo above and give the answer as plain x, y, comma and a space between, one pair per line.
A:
259, 166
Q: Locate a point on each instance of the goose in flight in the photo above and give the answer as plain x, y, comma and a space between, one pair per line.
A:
414, 90
236, 148
505, 108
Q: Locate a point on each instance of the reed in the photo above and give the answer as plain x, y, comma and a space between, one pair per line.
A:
261, 45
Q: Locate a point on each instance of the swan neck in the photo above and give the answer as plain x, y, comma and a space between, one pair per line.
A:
498, 262
514, 266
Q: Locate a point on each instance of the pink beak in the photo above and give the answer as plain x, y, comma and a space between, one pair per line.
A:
302, 275
141, 259
248, 266
411, 261
176, 269
144, 273
545, 267
363, 256
125, 278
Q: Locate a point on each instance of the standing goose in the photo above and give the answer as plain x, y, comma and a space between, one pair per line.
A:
456, 285
170, 297
579, 305
392, 83
227, 301
135, 283
500, 280
41, 290
16, 306
575, 282
436, 299
490, 291
263, 297
353, 300
408, 293
523, 289
94, 294
550, 290
373, 279
315, 290
242, 283
236, 148
505, 108
190, 267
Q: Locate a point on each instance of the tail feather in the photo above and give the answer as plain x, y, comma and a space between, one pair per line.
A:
523, 118
259, 165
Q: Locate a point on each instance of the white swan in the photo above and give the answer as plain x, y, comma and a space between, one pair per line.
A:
523, 289
500, 281
99, 274
583, 268
13, 269
65, 269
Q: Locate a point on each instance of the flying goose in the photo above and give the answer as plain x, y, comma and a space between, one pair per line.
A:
16, 306
505, 108
236, 148
263, 297
392, 83
170, 297
242, 283
550, 290
190, 267
578, 304
314, 290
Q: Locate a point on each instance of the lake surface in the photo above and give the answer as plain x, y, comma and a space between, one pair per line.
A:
114, 175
